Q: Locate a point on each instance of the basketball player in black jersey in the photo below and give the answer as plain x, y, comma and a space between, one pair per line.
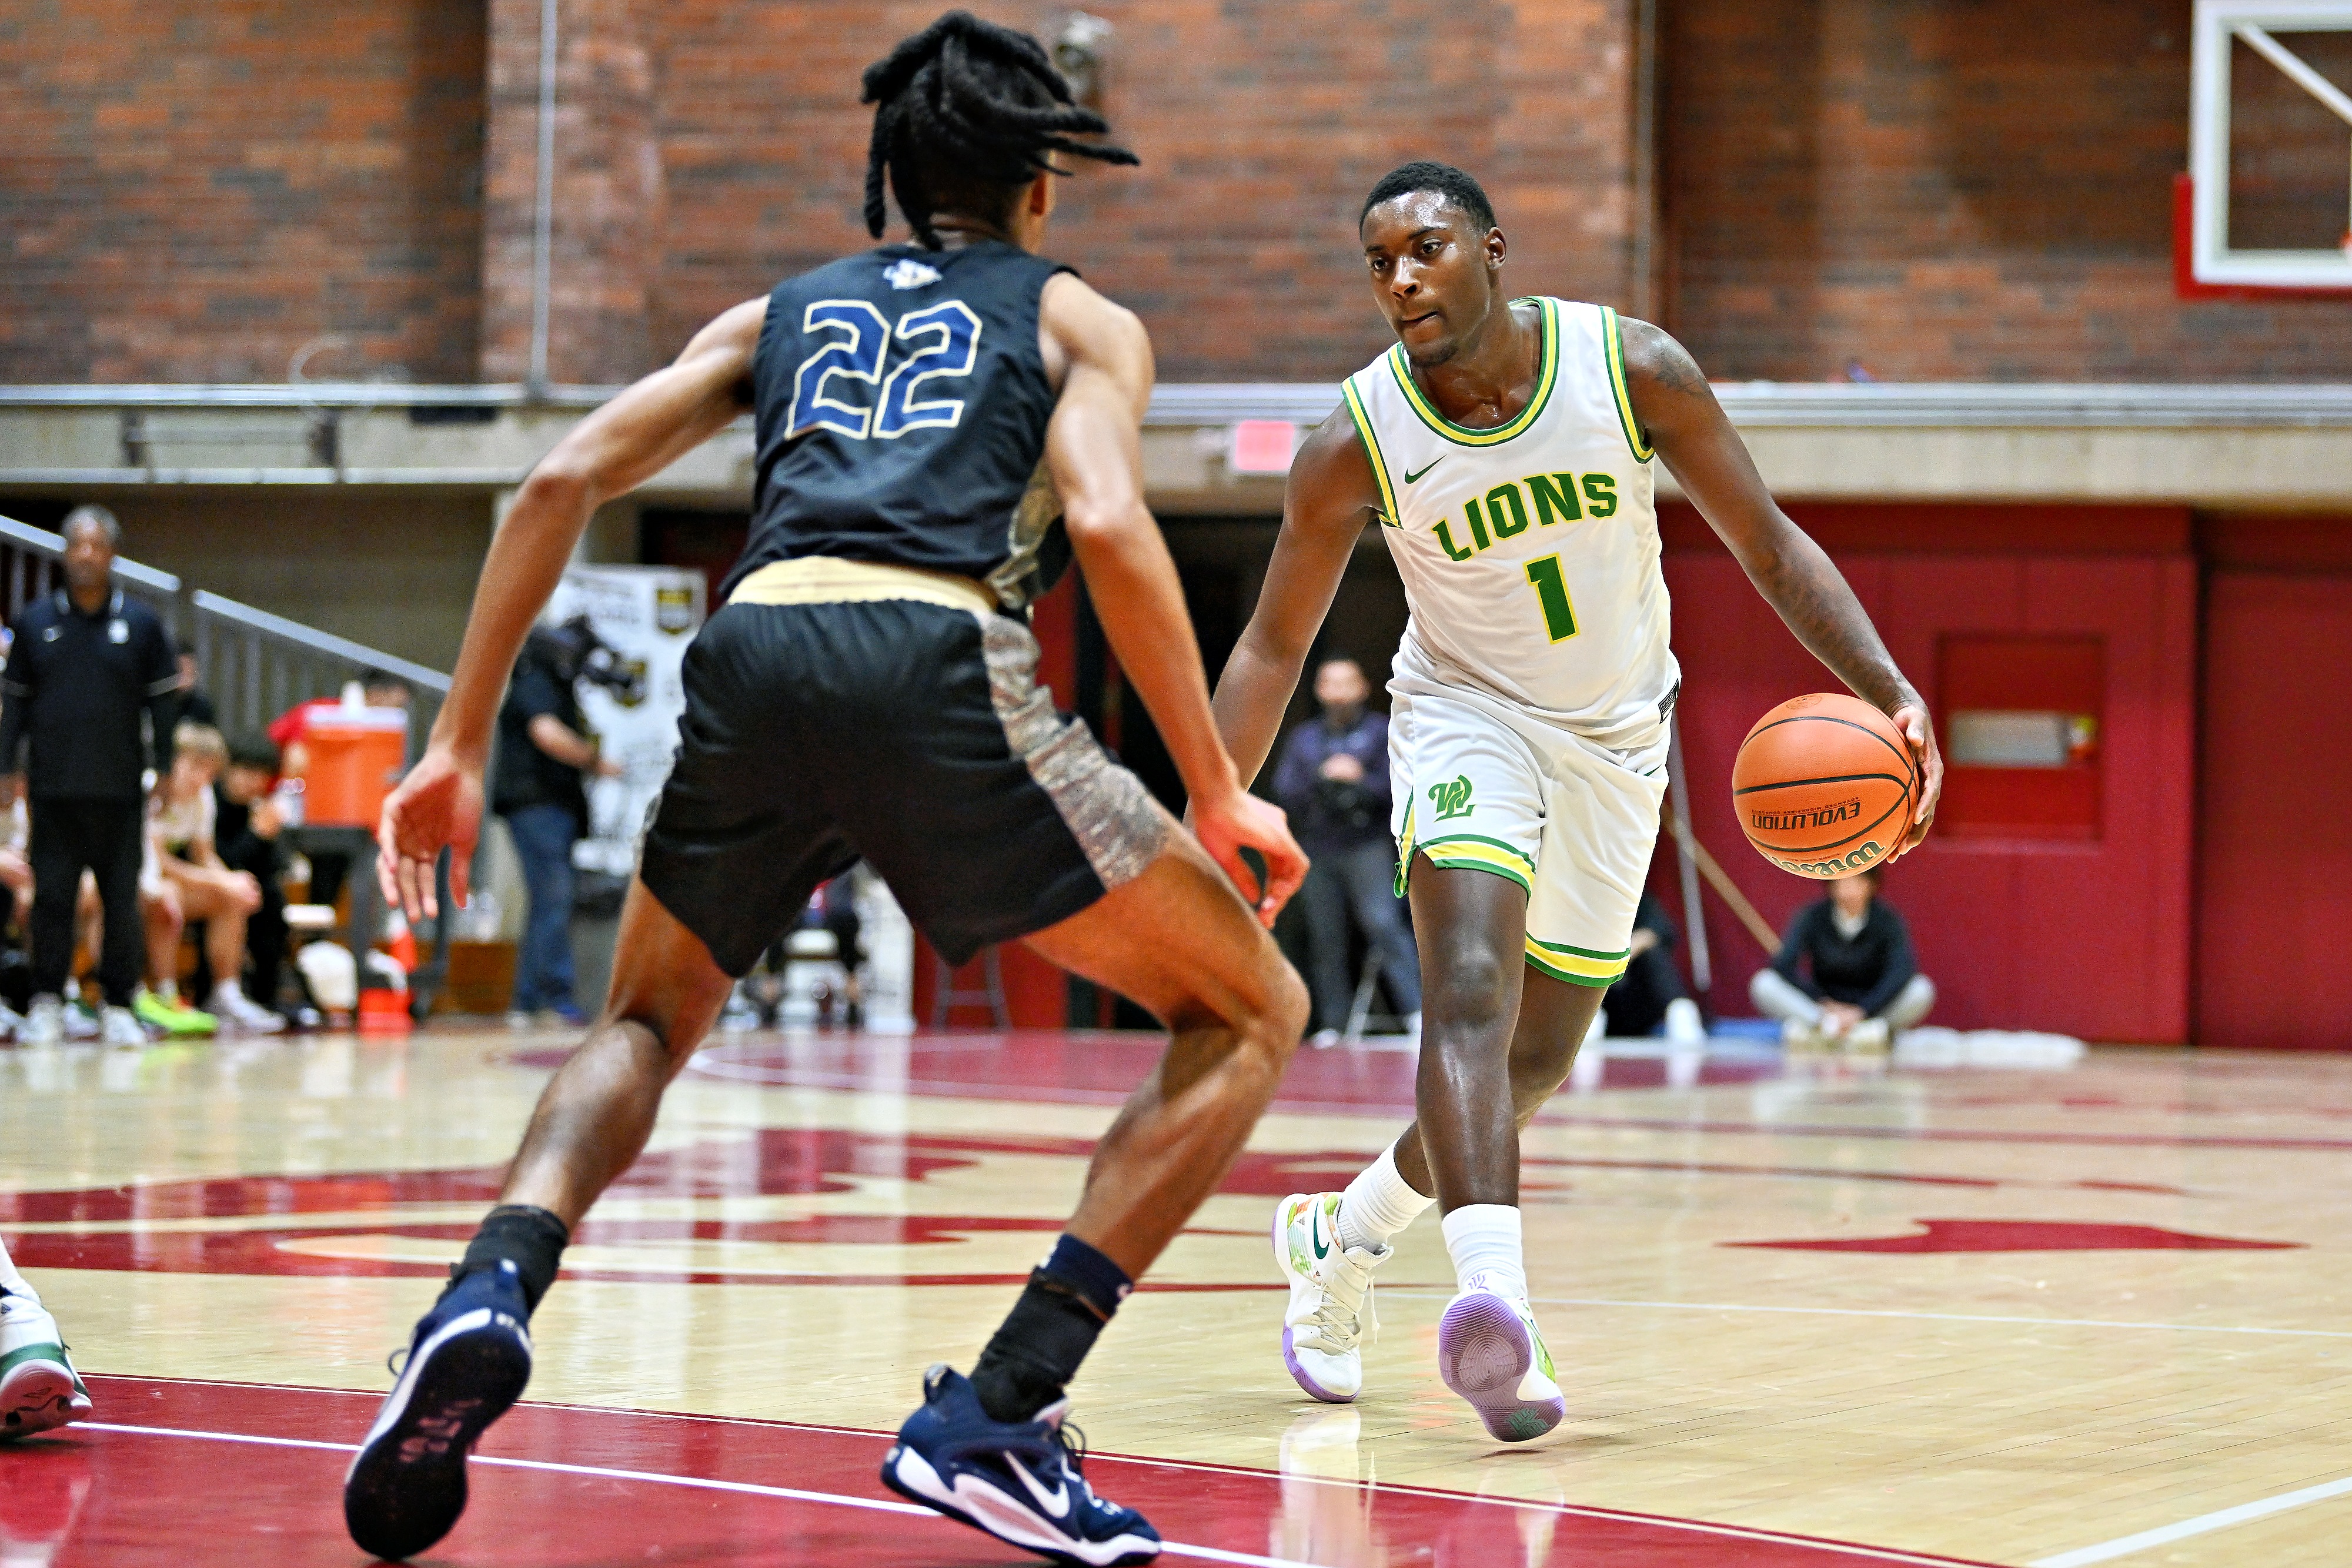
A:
869, 690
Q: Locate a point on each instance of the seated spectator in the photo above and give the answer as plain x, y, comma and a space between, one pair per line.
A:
833, 908
1650, 992
1865, 984
329, 868
190, 882
1333, 780
245, 828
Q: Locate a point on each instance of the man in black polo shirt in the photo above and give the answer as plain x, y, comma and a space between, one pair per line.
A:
539, 786
84, 662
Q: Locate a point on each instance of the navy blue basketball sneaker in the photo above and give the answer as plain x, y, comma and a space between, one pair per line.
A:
1021, 1481
466, 1365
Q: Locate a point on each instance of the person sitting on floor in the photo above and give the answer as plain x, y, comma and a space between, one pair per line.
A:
1650, 992
191, 882
1866, 985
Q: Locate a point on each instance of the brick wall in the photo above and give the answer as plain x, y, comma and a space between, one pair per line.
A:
1261, 123
607, 250
191, 192
1975, 192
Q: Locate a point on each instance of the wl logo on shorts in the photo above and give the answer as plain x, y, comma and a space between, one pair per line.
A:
1452, 800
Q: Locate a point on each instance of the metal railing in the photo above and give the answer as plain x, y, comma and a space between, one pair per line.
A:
254, 665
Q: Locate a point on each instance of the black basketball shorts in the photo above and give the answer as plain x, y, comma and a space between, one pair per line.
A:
908, 732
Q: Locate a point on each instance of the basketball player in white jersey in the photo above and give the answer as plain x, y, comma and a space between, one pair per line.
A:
1506, 446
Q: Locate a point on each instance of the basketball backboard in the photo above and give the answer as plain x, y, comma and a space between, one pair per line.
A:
2220, 141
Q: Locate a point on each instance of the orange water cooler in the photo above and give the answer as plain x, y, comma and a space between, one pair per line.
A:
355, 757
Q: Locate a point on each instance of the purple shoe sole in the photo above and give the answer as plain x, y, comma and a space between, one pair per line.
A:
1299, 1375
1482, 1352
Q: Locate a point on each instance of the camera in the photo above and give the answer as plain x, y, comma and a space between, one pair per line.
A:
574, 653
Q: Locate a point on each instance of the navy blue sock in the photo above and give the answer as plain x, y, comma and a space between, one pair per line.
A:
1061, 1310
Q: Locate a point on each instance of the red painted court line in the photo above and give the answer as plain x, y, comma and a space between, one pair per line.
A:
568, 1487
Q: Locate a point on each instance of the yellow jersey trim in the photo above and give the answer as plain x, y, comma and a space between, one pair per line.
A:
1363, 422
1547, 377
1575, 966
1615, 340
1478, 854
1547, 963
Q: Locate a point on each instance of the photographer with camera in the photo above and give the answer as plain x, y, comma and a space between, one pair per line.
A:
539, 785
1333, 780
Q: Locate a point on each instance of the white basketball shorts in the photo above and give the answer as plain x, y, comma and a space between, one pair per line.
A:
1483, 786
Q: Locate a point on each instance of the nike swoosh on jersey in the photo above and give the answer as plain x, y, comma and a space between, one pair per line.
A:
1410, 475
1056, 1502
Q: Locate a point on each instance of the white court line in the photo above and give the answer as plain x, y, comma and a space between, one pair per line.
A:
748, 1489
1171, 1548
1930, 1317
2222, 1520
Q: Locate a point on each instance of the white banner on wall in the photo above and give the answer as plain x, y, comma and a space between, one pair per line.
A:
647, 615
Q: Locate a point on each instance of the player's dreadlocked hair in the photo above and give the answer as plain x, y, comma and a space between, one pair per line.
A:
965, 113
1454, 184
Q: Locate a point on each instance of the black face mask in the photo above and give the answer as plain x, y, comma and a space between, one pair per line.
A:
1340, 715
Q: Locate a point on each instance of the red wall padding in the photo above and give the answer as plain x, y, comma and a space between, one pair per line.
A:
2089, 937
2274, 872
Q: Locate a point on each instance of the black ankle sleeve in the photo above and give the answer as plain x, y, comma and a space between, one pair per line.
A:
1033, 1356
533, 1239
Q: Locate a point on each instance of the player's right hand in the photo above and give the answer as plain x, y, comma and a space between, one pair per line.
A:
1241, 820
438, 806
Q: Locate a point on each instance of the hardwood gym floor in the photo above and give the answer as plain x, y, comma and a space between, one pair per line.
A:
2052, 1319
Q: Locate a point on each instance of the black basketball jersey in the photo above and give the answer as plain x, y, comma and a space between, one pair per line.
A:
901, 401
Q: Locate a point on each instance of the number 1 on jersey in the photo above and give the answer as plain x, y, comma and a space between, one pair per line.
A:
1551, 592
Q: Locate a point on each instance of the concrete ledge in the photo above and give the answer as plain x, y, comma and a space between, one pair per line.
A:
2285, 447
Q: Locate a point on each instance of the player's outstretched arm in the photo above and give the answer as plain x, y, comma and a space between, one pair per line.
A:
1094, 448
1330, 496
1687, 427
610, 453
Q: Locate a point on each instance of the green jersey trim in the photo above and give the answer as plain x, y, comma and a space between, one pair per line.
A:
1615, 338
1363, 423
1547, 377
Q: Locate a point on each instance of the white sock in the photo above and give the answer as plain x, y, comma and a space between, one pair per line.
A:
1484, 1239
10, 1278
1378, 1204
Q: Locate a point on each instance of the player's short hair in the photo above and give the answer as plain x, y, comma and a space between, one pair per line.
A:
200, 742
1454, 184
965, 113
250, 748
93, 517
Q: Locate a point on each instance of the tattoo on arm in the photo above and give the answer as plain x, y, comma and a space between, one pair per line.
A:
1670, 365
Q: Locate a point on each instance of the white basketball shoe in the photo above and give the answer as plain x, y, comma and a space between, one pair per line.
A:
39, 1386
1330, 1296
1490, 1352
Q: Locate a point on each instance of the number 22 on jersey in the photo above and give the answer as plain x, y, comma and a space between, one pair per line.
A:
938, 341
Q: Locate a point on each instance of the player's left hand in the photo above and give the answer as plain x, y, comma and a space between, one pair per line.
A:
1241, 820
438, 806
1920, 731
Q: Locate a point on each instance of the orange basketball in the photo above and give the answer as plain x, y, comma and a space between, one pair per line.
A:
1824, 786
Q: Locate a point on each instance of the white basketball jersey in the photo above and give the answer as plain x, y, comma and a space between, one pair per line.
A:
1529, 552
